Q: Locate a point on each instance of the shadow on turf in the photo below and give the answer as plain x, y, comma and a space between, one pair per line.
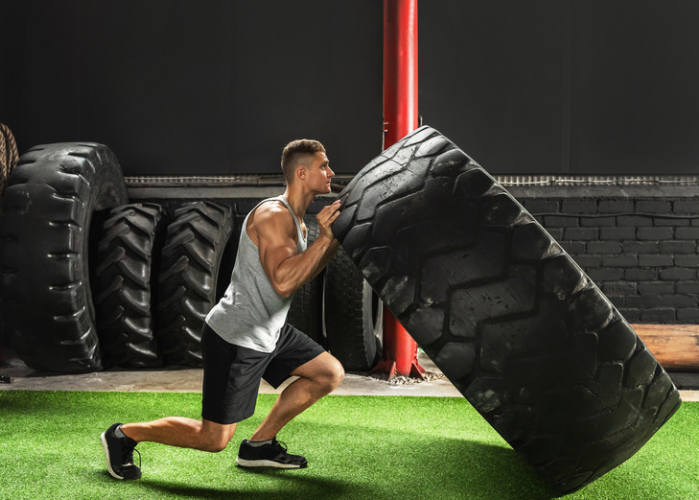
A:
291, 487
444, 469
429, 466
469, 469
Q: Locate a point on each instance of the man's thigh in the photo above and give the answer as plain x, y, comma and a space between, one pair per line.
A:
323, 365
294, 350
232, 376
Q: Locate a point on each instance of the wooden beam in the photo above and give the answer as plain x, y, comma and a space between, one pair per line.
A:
676, 347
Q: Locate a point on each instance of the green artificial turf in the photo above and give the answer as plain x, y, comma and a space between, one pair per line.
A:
357, 448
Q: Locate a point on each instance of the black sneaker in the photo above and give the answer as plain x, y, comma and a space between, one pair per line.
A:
268, 455
119, 452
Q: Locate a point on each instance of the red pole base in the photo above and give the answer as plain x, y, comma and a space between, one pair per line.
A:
400, 350
389, 367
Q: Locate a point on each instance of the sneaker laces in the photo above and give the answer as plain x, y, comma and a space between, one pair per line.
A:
281, 445
285, 455
127, 457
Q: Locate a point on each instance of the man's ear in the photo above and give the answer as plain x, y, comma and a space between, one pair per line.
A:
301, 173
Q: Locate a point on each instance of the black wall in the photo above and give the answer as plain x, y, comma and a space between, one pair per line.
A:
564, 86
218, 87
185, 87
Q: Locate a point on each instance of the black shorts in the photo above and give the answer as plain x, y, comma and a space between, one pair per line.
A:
232, 374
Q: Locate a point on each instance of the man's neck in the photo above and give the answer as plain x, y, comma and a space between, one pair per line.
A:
298, 200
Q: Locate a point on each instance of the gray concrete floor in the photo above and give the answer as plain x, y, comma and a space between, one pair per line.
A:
174, 379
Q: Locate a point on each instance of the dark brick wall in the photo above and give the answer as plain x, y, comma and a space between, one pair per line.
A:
639, 243
641, 250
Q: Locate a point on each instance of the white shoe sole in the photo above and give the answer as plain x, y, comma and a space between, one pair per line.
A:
103, 439
264, 463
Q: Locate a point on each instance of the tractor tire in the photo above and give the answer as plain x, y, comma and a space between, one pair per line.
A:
192, 255
49, 226
352, 315
126, 287
306, 311
503, 311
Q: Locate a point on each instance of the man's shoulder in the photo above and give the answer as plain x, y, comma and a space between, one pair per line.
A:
273, 214
271, 209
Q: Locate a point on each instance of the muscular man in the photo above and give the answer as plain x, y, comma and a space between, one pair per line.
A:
246, 338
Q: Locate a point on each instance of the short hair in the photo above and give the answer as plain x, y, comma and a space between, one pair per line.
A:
299, 152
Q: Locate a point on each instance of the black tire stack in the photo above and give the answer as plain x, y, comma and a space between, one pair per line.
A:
191, 259
47, 218
505, 313
352, 315
91, 281
126, 294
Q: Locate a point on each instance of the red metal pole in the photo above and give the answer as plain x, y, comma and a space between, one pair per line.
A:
400, 118
400, 70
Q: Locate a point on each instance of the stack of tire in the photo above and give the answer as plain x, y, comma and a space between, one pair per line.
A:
91, 281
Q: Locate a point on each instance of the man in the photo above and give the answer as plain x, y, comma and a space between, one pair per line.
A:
245, 337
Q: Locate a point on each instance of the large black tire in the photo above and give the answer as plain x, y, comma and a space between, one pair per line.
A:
306, 311
194, 248
126, 286
47, 231
503, 311
352, 315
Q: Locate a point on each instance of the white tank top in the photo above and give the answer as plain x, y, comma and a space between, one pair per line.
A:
251, 313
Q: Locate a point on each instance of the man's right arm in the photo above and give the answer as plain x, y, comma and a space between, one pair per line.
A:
287, 269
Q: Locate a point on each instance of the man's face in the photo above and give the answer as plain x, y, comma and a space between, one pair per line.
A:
318, 175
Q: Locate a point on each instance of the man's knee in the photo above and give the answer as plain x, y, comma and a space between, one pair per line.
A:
217, 444
333, 375
325, 372
216, 437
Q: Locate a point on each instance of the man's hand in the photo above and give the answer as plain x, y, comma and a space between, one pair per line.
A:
326, 217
